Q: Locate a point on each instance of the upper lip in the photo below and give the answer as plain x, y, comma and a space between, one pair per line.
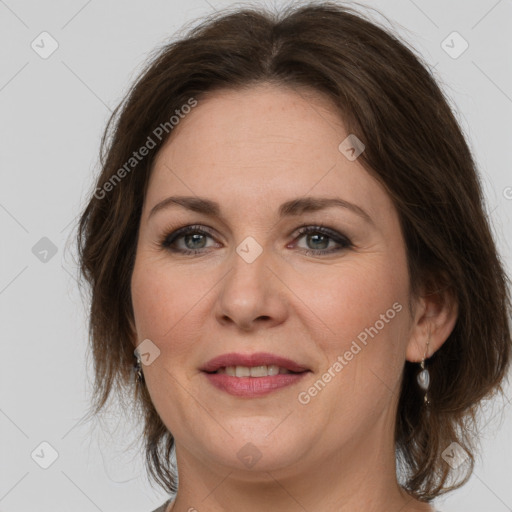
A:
250, 360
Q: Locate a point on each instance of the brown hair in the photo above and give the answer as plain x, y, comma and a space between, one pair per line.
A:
414, 147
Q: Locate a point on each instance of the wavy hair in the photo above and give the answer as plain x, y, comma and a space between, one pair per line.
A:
415, 148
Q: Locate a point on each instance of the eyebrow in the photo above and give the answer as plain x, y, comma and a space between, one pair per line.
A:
289, 208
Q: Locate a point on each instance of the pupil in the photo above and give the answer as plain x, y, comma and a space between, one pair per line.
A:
324, 243
196, 237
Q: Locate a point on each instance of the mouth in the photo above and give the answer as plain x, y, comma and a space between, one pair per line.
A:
254, 371
252, 375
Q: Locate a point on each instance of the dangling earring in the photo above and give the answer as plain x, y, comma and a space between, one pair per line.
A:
137, 368
424, 375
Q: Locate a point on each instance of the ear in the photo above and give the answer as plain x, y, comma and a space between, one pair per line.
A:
435, 315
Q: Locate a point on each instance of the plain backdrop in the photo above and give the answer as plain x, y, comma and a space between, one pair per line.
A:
53, 109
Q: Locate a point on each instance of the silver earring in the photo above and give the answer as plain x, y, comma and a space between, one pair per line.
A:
137, 368
423, 377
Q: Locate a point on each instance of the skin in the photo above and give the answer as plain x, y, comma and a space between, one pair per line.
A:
251, 151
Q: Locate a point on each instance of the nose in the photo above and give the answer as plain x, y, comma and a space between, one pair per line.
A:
252, 294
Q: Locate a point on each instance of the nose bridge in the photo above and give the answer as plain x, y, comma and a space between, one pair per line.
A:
249, 291
249, 273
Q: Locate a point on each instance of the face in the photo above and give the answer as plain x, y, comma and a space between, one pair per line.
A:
322, 282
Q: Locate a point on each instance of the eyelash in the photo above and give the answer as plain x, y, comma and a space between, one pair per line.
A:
169, 239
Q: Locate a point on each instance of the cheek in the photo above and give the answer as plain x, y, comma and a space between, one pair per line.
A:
164, 300
364, 314
163, 297
354, 295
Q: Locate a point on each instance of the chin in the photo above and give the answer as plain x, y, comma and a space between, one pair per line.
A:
257, 445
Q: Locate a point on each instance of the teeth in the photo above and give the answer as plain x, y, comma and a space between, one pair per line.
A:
254, 371
274, 370
242, 371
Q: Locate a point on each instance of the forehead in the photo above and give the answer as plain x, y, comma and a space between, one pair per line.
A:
265, 140
246, 121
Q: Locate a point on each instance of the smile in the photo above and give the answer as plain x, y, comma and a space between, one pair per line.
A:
252, 382
254, 371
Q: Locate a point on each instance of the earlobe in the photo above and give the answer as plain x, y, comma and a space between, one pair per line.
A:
434, 321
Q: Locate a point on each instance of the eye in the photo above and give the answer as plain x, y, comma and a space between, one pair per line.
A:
193, 240
187, 240
319, 238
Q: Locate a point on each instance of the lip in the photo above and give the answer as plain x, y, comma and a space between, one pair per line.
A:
250, 387
256, 359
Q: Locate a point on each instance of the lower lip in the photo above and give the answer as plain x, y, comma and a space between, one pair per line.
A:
253, 386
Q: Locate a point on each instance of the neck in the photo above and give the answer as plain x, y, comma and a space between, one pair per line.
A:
360, 477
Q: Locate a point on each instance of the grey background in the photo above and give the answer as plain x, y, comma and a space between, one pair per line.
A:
53, 112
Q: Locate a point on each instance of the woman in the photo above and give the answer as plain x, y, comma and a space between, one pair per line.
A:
288, 245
